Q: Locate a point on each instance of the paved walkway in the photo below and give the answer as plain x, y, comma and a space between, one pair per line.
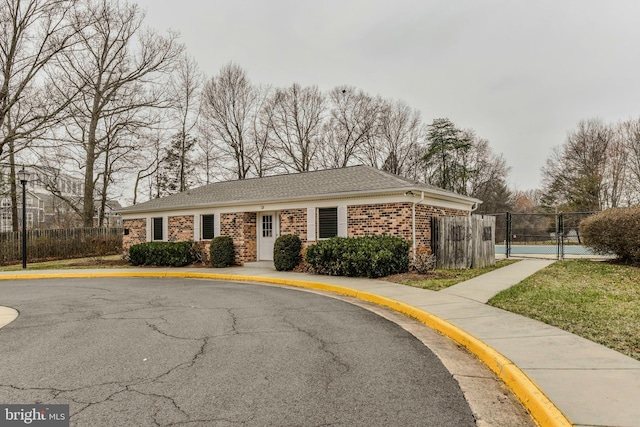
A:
590, 384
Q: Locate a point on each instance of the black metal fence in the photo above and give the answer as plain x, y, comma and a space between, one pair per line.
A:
541, 234
60, 244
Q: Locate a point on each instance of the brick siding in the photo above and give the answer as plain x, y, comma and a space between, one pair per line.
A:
393, 219
180, 228
294, 221
386, 218
241, 227
137, 232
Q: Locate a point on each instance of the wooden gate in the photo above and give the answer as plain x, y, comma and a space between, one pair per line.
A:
464, 241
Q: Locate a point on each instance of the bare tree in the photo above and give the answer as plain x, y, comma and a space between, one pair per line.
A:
630, 133
295, 118
574, 175
32, 33
147, 163
116, 68
207, 158
488, 180
262, 157
185, 91
353, 116
227, 105
397, 145
117, 150
615, 173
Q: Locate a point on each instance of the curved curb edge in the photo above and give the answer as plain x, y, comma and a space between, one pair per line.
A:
543, 411
7, 315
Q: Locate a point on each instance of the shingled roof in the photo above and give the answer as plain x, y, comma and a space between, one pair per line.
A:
353, 180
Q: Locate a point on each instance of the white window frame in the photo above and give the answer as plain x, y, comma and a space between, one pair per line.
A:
313, 222
150, 228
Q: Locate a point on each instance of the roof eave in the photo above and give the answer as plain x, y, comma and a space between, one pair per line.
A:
439, 194
447, 195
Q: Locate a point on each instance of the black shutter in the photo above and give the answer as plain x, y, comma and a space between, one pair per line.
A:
157, 228
327, 222
207, 227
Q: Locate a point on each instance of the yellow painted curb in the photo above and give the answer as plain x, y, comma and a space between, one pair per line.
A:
543, 411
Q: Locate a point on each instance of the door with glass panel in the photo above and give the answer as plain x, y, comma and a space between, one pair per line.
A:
267, 233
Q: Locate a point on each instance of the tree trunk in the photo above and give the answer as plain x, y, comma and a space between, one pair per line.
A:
90, 149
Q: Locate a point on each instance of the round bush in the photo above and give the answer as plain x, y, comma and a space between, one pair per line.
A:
286, 252
221, 252
614, 231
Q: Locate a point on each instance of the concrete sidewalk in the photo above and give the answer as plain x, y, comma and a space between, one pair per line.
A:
590, 384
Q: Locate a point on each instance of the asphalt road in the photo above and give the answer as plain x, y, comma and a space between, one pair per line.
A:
147, 352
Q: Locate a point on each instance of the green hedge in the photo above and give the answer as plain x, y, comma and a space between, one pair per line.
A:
614, 231
371, 256
286, 252
169, 254
221, 252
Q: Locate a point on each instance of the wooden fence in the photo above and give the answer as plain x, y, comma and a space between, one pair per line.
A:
464, 242
60, 244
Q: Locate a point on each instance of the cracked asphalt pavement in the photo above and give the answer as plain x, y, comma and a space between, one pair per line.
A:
183, 352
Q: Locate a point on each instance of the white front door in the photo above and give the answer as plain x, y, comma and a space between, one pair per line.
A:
267, 233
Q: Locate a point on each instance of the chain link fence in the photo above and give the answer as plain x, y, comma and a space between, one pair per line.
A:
541, 235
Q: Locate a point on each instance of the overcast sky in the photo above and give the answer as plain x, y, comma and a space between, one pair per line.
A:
520, 73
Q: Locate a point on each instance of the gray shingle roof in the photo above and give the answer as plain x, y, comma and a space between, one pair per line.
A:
298, 186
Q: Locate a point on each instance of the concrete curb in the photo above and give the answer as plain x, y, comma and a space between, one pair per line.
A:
543, 411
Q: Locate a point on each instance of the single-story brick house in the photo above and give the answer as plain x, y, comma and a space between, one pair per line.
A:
349, 202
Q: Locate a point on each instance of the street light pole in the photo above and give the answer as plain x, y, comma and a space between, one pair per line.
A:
23, 176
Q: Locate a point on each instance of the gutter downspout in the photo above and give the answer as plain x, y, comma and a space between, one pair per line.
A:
413, 225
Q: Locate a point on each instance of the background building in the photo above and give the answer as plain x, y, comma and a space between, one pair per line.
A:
46, 210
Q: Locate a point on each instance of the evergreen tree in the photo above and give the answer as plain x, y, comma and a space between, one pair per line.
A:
176, 166
446, 150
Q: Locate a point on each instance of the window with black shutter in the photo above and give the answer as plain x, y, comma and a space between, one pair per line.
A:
157, 229
327, 223
207, 227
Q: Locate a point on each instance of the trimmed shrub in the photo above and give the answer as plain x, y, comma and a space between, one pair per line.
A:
138, 254
286, 252
370, 256
614, 231
221, 252
166, 254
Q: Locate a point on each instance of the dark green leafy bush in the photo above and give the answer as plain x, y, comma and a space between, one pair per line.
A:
168, 254
371, 256
614, 231
286, 252
221, 252
138, 254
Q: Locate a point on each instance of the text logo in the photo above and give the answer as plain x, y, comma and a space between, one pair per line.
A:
34, 415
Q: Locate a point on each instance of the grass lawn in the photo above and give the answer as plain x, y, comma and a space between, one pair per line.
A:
439, 279
599, 301
108, 261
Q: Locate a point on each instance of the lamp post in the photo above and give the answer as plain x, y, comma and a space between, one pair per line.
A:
23, 177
